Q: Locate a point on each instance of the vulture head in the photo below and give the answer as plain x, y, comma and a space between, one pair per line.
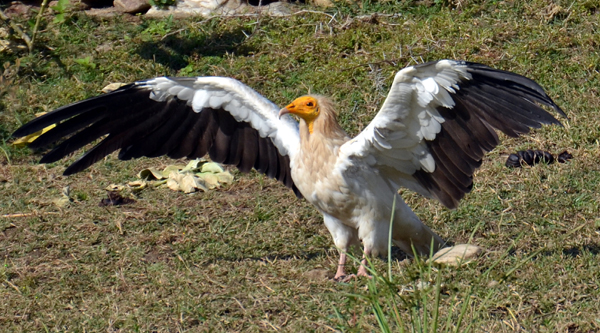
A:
316, 111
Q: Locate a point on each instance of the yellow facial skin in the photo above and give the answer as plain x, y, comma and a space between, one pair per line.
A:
305, 107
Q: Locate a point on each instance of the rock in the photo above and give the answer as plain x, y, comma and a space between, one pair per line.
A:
102, 12
322, 3
207, 8
132, 6
17, 9
456, 255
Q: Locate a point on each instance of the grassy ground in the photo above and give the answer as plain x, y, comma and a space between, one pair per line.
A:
250, 256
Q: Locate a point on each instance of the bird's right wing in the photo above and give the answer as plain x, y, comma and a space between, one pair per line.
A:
439, 120
177, 117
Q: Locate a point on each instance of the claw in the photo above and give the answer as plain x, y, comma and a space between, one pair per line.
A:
345, 278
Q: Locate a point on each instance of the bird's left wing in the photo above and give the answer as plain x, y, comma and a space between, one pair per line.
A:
438, 121
177, 117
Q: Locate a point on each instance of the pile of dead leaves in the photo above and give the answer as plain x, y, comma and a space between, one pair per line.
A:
197, 175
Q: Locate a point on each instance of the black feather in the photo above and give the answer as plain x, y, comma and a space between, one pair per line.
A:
491, 99
128, 120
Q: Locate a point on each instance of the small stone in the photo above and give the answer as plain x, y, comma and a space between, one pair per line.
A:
102, 12
456, 255
492, 284
132, 6
322, 3
17, 9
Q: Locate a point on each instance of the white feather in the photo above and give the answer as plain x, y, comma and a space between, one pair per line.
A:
396, 137
234, 97
200, 100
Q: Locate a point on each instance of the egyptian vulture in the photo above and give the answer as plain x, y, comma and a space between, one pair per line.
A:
430, 135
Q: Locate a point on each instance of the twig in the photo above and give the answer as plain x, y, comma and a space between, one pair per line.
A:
13, 286
29, 214
173, 33
37, 23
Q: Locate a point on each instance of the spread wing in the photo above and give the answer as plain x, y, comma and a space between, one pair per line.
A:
438, 121
177, 117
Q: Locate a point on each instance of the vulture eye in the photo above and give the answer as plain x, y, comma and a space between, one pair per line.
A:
309, 104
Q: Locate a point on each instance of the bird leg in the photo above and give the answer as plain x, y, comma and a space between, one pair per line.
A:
341, 273
362, 270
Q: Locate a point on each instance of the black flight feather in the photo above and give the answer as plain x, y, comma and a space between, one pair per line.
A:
128, 120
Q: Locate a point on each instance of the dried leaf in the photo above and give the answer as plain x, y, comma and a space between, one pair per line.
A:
211, 167
112, 87
173, 184
61, 202
150, 174
210, 179
183, 178
188, 183
115, 188
171, 169
174, 181
138, 185
225, 177
193, 165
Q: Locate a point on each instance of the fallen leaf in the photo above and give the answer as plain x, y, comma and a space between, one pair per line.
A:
193, 165
211, 167
225, 177
150, 174
138, 185
112, 87
115, 188
198, 174
211, 180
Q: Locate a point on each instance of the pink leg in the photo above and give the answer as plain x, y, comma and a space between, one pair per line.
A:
341, 267
362, 270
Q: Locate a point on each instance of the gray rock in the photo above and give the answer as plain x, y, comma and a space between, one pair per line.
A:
456, 255
132, 6
207, 8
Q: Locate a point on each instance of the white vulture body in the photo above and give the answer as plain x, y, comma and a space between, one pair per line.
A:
429, 136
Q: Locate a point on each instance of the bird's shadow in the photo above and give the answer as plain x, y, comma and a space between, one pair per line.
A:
174, 51
397, 255
307, 256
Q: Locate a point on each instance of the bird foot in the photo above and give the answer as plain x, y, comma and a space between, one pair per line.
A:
345, 278
362, 271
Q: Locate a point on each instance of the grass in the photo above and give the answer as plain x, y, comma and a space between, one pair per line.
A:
250, 256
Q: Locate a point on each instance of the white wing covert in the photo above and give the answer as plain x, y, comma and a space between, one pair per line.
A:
438, 121
177, 117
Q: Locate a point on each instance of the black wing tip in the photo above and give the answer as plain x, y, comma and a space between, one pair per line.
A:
518, 79
499, 74
50, 118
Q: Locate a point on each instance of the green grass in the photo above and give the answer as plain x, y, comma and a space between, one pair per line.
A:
250, 256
